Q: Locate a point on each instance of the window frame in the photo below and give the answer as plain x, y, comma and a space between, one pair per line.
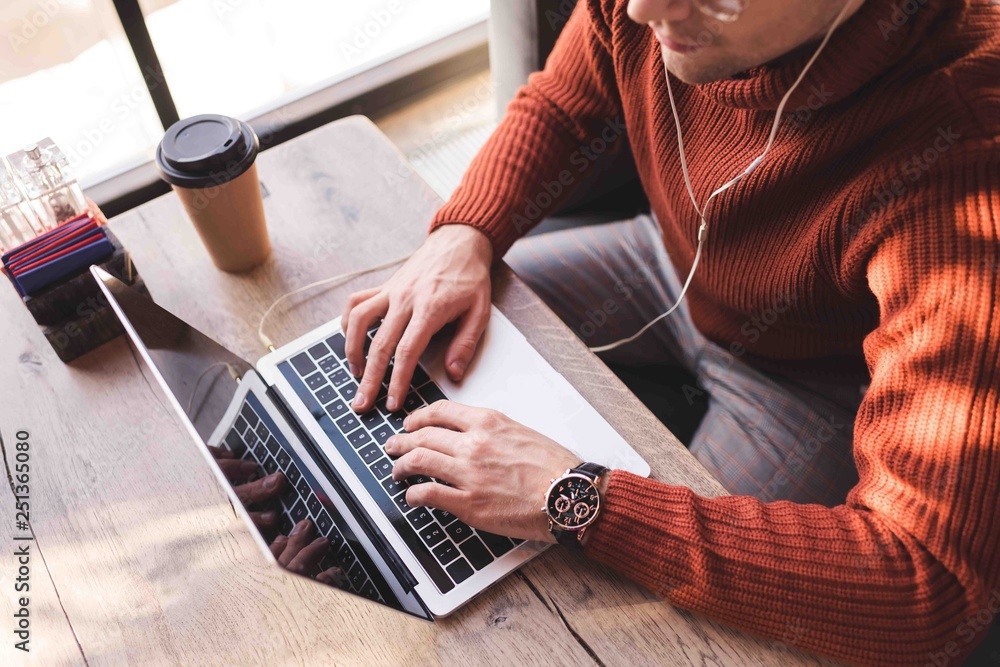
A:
369, 89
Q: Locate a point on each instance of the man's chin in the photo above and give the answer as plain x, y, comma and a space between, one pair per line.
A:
695, 68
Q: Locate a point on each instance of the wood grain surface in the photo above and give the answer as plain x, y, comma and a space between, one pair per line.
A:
145, 561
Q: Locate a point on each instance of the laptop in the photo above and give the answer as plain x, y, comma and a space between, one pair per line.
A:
290, 413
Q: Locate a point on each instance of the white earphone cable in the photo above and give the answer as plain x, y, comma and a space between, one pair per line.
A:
344, 277
703, 211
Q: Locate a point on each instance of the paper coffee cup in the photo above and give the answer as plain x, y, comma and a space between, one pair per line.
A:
209, 160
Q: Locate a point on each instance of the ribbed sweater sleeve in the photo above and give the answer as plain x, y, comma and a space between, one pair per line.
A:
906, 571
542, 149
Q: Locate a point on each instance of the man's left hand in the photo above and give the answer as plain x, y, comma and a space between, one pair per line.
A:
497, 469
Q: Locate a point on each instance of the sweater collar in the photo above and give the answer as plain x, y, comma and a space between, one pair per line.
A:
880, 34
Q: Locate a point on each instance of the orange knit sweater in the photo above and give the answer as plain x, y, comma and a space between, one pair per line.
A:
879, 208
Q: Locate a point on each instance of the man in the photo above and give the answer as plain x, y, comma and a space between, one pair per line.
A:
862, 252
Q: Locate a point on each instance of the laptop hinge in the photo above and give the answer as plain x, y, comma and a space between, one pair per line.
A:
397, 566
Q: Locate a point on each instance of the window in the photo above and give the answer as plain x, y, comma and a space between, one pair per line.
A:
68, 70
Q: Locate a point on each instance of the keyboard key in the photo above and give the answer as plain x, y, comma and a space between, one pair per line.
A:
392, 487
348, 391
476, 552
326, 394
289, 496
371, 419
431, 393
370, 454
247, 413
336, 410
419, 518
283, 459
286, 525
235, 443
259, 451
303, 488
445, 552
432, 534
381, 469
292, 474
401, 503
458, 531
444, 518
314, 505
241, 425
346, 557
272, 445
419, 479
318, 351
413, 402
382, 434
370, 592
298, 511
359, 438
323, 522
329, 365
357, 576
270, 465
303, 364
347, 423
336, 540
336, 343
262, 431
459, 570
498, 544
315, 381
396, 421
339, 376
420, 377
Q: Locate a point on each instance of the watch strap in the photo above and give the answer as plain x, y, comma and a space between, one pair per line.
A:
591, 470
571, 538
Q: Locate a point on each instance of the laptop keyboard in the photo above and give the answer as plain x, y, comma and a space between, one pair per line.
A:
252, 440
450, 551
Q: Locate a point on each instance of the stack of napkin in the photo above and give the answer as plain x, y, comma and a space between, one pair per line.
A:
56, 254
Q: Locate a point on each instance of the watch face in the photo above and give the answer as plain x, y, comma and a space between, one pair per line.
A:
573, 502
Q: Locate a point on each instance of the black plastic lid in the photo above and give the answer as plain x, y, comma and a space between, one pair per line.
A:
206, 150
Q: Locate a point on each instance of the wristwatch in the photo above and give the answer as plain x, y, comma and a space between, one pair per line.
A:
573, 503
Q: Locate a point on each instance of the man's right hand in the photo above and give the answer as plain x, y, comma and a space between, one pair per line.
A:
447, 279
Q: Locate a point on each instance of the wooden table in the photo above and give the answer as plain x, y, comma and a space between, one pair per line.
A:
138, 556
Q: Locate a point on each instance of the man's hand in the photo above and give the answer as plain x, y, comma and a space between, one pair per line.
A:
301, 554
252, 492
498, 469
446, 279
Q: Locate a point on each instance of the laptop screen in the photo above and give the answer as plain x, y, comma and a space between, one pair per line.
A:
228, 410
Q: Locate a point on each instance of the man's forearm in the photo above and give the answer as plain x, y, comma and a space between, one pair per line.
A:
839, 576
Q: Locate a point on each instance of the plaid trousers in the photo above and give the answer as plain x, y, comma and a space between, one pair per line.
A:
763, 435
